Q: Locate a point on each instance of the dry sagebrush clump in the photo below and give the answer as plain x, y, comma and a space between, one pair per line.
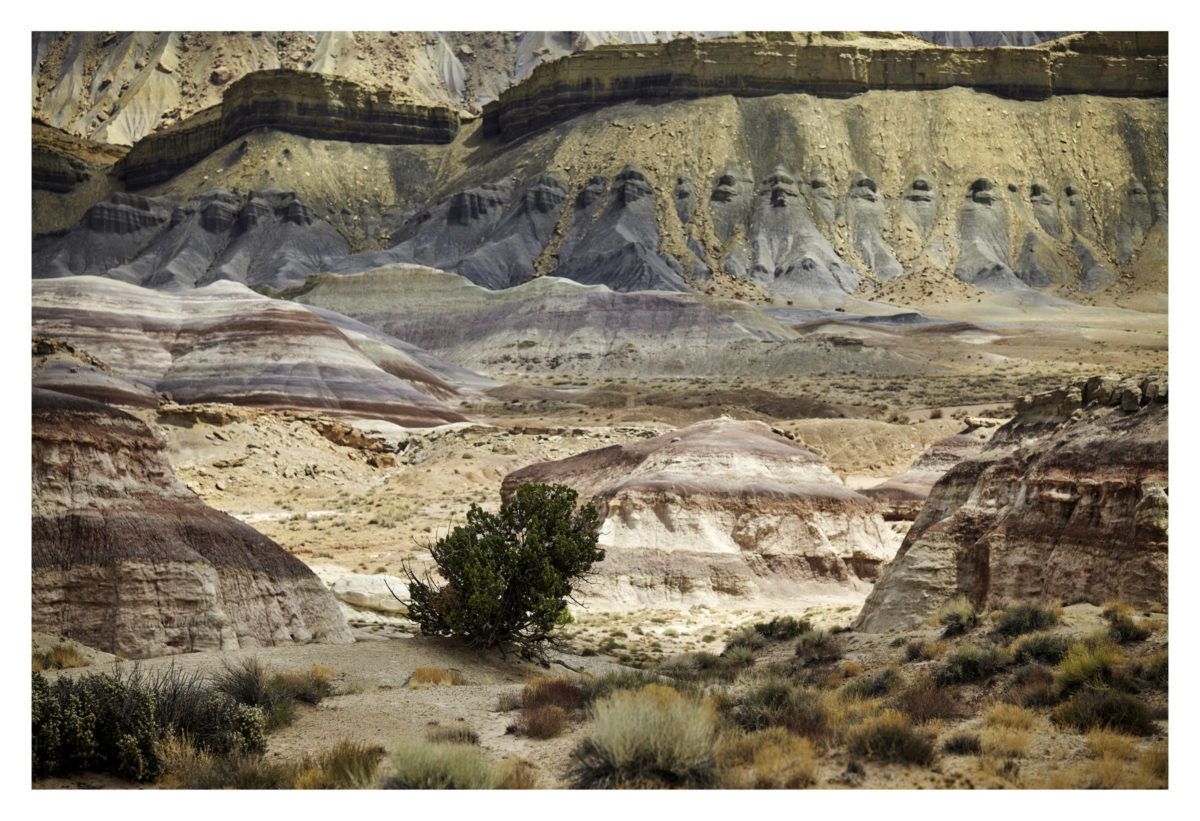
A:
772, 759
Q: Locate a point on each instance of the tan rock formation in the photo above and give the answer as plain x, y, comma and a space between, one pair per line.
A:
127, 560
721, 513
1068, 499
902, 496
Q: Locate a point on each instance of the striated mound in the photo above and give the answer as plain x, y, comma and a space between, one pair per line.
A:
225, 343
127, 560
266, 237
721, 513
902, 496
1069, 499
556, 326
59, 366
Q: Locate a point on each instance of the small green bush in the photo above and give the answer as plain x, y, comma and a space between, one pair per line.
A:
957, 616
890, 737
1025, 617
1122, 627
777, 702
739, 656
815, 646
782, 628
873, 686
1088, 663
426, 765
747, 637
1093, 708
1040, 647
966, 662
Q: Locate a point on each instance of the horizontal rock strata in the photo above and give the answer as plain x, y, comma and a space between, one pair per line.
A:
720, 513
903, 496
225, 343
127, 560
1121, 64
300, 102
1069, 499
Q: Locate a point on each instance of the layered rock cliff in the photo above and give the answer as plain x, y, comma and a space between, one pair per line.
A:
1069, 499
1123, 64
127, 560
720, 513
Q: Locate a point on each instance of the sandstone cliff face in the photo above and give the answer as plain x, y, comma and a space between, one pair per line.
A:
1124, 64
720, 513
299, 102
127, 560
1068, 499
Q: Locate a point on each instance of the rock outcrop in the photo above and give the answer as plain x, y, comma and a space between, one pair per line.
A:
1115, 63
553, 325
721, 513
267, 237
299, 102
225, 343
128, 560
1069, 499
902, 497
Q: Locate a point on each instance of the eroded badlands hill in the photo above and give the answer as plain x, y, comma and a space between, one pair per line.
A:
1067, 500
720, 513
126, 559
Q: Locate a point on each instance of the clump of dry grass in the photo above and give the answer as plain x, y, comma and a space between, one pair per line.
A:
925, 650
347, 765
890, 737
1107, 744
957, 616
963, 743
434, 677
766, 759
650, 737
1153, 764
1088, 663
1004, 742
1104, 708
546, 721
560, 692
517, 774
455, 734
427, 765
926, 701
1010, 715
1026, 617
1122, 626
59, 658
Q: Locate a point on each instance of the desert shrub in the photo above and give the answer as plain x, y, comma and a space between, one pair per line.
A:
777, 702
601, 686
59, 658
426, 765
851, 669
966, 662
957, 616
1025, 617
311, 686
1088, 663
963, 743
747, 637
434, 677
696, 668
1004, 742
1093, 708
652, 737
1122, 627
561, 692
97, 723
1033, 686
1154, 764
1040, 647
516, 774
890, 737
1154, 668
509, 574
782, 628
766, 759
1107, 744
873, 686
740, 656
926, 701
246, 683
454, 734
546, 721
1009, 715
924, 650
815, 646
